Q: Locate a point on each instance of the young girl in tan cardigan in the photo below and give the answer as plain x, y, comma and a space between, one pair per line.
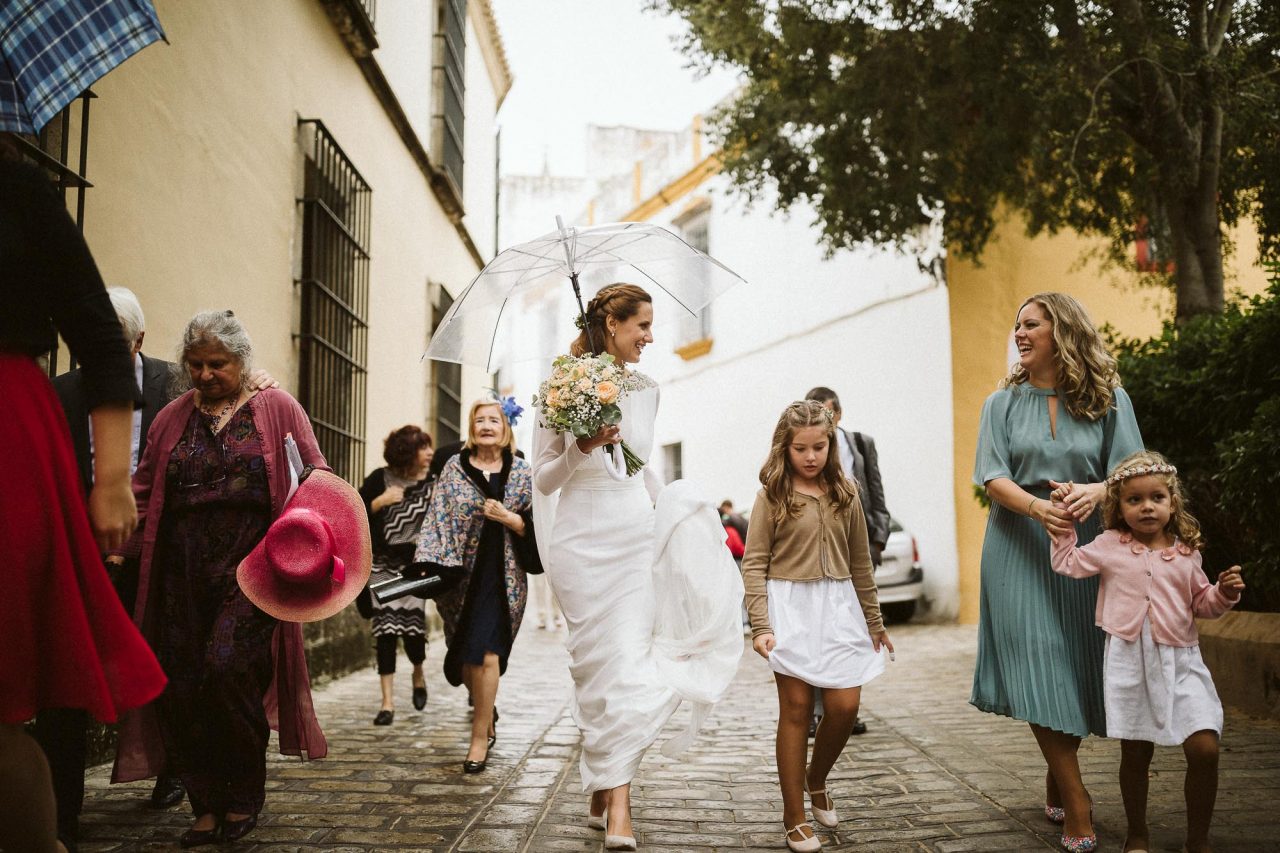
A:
813, 607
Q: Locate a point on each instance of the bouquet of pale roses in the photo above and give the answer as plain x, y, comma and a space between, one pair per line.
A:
581, 396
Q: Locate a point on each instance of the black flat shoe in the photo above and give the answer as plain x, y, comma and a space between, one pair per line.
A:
420, 697
493, 738
200, 837
234, 830
859, 728
474, 766
168, 792
384, 718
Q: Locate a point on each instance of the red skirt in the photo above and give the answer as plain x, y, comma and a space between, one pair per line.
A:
65, 639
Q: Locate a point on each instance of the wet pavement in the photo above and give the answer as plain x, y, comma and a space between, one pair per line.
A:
931, 774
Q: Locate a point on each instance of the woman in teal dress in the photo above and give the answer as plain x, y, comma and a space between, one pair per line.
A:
1060, 420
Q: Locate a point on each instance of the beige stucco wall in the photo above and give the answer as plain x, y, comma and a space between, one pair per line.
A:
196, 166
984, 303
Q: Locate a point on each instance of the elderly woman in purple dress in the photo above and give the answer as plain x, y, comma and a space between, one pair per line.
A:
213, 478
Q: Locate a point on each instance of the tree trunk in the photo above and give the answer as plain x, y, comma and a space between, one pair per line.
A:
1197, 254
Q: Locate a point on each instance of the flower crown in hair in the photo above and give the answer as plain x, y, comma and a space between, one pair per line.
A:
1140, 471
580, 322
511, 410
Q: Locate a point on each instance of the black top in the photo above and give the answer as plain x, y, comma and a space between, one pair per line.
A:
48, 279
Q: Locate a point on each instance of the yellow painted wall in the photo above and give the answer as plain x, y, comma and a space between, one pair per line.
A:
194, 156
984, 301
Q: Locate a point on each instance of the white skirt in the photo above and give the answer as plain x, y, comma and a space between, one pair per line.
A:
820, 634
1157, 693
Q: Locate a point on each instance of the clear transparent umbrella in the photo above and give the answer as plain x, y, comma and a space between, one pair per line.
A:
522, 281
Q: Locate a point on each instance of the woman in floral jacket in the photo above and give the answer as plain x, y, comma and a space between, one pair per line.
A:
480, 523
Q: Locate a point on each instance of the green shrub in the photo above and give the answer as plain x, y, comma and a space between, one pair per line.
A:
1207, 395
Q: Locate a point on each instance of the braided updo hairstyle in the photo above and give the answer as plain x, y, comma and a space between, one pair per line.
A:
619, 301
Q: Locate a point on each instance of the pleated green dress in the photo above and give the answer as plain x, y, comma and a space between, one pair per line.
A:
1039, 652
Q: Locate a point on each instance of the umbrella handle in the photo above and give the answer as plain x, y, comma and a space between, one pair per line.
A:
586, 326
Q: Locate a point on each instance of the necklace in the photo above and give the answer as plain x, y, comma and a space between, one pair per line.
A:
222, 413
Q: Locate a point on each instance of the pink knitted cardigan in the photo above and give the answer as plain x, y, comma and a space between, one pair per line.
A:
140, 753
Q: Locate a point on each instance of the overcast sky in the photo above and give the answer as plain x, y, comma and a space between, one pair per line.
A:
580, 62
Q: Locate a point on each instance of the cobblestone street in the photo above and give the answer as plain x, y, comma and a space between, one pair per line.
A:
931, 774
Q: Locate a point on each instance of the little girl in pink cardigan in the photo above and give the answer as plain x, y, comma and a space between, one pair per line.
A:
1156, 687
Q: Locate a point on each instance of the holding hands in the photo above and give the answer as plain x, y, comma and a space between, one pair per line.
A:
1053, 517
1080, 500
1231, 583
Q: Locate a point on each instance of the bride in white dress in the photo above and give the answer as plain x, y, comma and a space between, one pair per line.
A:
635, 652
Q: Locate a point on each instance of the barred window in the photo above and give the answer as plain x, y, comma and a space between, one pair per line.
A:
333, 329
449, 87
446, 380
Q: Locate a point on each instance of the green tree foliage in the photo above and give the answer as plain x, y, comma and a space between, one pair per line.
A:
1207, 395
1093, 116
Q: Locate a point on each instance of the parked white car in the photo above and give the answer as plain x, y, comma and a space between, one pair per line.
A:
900, 577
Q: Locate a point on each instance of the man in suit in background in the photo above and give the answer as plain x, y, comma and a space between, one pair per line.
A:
861, 464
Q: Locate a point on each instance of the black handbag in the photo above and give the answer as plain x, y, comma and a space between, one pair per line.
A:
424, 584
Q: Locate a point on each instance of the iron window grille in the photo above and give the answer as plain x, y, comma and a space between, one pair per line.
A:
333, 331
449, 87
51, 149
446, 377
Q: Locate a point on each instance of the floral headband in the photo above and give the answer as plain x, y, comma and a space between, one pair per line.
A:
511, 410
1140, 471
580, 322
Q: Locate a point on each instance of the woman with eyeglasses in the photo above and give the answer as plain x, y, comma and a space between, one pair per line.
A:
213, 477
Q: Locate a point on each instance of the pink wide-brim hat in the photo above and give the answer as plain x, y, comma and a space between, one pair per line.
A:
316, 556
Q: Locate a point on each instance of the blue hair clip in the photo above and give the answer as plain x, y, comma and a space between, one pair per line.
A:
510, 408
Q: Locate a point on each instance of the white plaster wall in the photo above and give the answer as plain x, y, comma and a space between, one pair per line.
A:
480, 147
405, 29
196, 181
867, 324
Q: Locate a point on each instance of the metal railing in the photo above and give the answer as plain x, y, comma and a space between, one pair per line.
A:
333, 329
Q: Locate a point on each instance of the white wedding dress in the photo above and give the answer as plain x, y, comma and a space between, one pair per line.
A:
652, 600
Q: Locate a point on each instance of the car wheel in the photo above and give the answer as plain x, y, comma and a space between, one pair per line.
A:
899, 611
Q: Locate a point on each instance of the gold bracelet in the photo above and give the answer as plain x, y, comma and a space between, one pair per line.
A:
1030, 505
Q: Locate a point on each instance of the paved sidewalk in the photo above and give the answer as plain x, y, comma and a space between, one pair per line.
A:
932, 774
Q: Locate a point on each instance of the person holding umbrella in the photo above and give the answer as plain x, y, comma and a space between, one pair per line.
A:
600, 563
634, 658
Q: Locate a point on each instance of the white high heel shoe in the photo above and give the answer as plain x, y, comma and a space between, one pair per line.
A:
595, 821
826, 817
804, 845
617, 842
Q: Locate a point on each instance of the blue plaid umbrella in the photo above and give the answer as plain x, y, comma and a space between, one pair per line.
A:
52, 50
